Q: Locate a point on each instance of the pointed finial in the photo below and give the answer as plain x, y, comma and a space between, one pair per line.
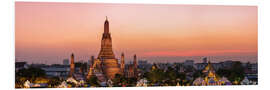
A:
135, 56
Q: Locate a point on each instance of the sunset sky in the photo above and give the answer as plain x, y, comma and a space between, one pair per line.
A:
50, 32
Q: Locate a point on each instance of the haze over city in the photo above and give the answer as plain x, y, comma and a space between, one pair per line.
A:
50, 32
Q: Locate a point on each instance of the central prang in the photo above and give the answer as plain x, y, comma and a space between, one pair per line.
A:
110, 65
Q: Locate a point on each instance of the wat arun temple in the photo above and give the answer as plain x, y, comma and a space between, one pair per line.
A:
106, 66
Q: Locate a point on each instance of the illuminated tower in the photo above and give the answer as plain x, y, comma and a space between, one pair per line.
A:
110, 65
72, 66
122, 67
135, 65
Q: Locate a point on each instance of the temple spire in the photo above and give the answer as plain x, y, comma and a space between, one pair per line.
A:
106, 25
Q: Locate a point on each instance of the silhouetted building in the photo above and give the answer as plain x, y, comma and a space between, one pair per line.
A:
57, 71
189, 63
65, 62
20, 65
204, 60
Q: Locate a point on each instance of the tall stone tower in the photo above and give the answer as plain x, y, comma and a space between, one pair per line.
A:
72, 66
135, 65
110, 65
122, 67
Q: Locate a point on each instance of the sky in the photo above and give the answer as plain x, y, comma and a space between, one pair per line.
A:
47, 32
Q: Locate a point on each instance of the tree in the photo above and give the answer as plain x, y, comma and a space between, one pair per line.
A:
117, 80
155, 76
31, 73
171, 76
131, 81
54, 81
224, 72
182, 77
197, 73
237, 72
93, 81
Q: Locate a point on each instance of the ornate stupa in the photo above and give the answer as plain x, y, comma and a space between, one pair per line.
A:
211, 78
110, 65
106, 66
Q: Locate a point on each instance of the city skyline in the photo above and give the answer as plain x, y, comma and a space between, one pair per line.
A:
54, 30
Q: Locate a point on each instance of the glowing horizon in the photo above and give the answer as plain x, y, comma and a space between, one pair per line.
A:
53, 30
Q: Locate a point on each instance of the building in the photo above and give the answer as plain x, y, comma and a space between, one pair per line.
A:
200, 66
65, 62
143, 64
254, 67
129, 73
131, 69
189, 63
227, 64
204, 60
251, 71
20, 65
56, 70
